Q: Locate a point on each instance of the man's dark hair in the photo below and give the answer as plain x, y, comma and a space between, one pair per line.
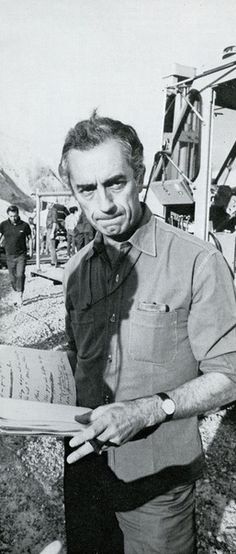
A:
13, 209
222, 196
94, 131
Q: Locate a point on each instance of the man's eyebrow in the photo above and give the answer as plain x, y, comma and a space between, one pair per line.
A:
106, 183
114, 179
86, 185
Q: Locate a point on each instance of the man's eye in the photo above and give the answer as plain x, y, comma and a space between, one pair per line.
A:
118, 186
85, 192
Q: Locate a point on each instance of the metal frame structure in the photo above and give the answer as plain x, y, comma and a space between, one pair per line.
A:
187, 137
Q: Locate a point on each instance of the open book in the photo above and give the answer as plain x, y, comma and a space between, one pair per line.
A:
37, 392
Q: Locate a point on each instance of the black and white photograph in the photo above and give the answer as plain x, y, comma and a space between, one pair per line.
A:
117, 277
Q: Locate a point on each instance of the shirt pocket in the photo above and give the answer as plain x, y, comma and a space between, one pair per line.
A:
153, 336
84, 333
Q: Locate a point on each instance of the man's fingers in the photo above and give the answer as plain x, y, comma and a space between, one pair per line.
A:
89, 433
81, 438
84, 450
109, 435
84, 418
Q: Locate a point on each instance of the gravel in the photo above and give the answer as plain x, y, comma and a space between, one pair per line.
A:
31, 487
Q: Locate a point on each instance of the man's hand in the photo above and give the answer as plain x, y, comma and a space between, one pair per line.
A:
114, 425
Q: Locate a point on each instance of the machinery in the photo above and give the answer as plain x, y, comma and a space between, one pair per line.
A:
199, 112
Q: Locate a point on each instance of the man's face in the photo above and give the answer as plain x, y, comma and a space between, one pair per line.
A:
231, 208
103, 183
13, 216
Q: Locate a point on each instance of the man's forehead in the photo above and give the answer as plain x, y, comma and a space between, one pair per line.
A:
107, 158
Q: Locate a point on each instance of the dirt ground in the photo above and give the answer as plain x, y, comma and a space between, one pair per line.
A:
31, 487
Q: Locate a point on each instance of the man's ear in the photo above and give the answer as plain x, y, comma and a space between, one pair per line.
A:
140, 179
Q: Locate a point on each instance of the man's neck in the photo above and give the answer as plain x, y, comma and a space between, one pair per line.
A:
119, 240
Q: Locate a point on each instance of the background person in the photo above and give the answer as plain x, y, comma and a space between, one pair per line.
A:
221, 218
70, 224
55, 224
155, 346
44, 246
17, 237
51, 226
83, 232
33, 232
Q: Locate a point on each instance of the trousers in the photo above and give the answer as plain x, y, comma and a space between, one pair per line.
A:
52, 247
93, 496
91, 524
16, 269
165, 525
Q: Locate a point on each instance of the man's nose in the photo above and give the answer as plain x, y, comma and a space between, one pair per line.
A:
105, 200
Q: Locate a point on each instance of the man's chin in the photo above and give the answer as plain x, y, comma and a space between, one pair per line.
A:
110, 231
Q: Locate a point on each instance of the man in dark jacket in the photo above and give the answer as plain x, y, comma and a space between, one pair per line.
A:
221, 217
17, 236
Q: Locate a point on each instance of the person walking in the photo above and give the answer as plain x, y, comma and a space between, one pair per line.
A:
17, 237
70, 224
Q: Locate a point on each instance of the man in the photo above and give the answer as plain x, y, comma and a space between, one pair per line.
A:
84, 232
70, 224
222, 210
44, 245
151, 318
55, 224
51, 226
17, 236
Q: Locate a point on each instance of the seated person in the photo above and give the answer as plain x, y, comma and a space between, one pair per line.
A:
221, 216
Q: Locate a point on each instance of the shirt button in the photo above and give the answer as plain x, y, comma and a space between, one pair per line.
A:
107, 399
113, 318
117, 278
109, 358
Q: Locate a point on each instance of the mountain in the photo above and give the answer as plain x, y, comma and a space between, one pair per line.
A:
22, 172
12, 194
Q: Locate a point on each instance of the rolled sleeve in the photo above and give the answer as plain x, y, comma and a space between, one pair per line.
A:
212, 318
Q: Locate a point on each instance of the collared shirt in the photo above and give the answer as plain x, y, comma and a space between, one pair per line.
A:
163, 311
15, 236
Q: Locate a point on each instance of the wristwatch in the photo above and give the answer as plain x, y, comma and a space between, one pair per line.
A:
168, 405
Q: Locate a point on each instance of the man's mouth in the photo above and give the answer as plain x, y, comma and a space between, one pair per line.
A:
108, 218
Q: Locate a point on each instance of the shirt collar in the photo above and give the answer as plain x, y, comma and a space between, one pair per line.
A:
143, 238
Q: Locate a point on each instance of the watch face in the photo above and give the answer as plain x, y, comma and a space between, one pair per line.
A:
168, 406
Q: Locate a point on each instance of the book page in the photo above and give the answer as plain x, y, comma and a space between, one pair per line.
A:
38, 375
25, 417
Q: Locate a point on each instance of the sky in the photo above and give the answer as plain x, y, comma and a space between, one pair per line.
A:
60, 59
